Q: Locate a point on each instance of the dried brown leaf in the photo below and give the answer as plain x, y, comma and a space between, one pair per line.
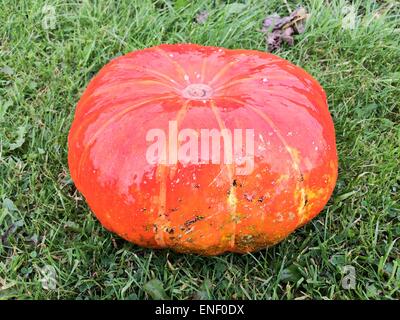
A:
281, 29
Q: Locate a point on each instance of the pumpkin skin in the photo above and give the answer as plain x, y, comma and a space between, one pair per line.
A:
203, 208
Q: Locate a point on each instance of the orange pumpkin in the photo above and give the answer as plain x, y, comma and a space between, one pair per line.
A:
190, 201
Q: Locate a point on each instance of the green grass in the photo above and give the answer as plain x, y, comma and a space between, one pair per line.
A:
44, 221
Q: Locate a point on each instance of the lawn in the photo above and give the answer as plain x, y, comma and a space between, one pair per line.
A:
53, 247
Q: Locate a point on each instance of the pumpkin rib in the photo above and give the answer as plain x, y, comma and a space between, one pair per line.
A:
110, 88
178, 66
221, 72
304, 106
295, 165
121, 101
230, 80
315, 112
299, 90
162, 219
160, 74
179, 119
104, 90
106, 124
91, 115
230, 84
203, 69
291, 69
295, 72
232, 197
161, 222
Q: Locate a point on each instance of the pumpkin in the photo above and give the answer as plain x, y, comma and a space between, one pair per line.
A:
194, 197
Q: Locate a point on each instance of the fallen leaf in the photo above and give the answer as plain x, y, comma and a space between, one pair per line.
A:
7, 70
270, 22
10, 230
290, 273
274, 40
372, 291
338, 260
9, 205
345, 196
21, 131
155, 289
281, 29
3, 108
287, 36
